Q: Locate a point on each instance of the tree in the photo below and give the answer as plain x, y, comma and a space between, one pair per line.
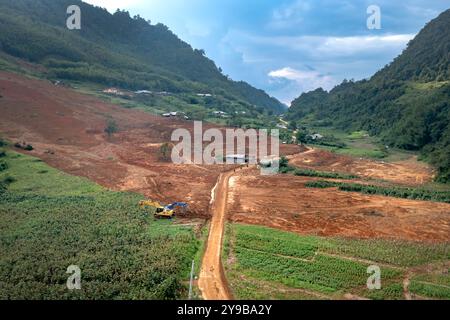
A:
165, 152
292, 125
302, 137
111, 127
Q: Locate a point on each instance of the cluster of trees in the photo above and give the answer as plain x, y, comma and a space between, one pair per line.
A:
397, 192
406, 104
116, 50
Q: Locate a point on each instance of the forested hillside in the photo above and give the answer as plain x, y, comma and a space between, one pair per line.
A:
406, 104
117, 50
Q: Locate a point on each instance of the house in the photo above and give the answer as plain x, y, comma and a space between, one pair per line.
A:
236, 158
281, 126
117, 92
163, 93
270, 161
172, 114
221, 113
316, 136
113, 91
143, 92
204, 95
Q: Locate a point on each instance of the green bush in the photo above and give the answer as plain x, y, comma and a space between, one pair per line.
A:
9, 180
324, 174
3, 166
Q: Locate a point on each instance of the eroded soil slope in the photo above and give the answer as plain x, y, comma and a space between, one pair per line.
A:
66, 129
407, 172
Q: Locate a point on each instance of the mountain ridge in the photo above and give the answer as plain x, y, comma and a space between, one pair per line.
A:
406, 103
117, 50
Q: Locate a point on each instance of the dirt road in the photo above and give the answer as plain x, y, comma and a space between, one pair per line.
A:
212, 281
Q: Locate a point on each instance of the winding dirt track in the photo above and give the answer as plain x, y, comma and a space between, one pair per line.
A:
212, 281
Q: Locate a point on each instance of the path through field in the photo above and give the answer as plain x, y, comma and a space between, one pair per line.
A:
212, 281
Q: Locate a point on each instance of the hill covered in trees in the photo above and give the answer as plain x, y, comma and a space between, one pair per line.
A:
118, 50
406, 104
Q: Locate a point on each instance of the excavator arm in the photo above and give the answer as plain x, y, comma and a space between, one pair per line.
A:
161, 210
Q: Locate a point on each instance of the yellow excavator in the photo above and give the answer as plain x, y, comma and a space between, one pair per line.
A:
163, 211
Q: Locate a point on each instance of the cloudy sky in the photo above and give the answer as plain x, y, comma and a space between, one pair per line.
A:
287, 47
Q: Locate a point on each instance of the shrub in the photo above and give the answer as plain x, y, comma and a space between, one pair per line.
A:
9, 180
3, 166
111, 127
165, 152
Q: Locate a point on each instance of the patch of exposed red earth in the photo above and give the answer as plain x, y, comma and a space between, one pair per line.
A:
284, 202
66, 129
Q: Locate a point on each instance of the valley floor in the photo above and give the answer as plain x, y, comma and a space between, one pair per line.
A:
66, 130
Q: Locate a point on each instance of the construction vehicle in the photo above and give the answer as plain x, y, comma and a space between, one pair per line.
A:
163, 211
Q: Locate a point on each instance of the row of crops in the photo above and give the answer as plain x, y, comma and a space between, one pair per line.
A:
50, 220
296, 261
315, 173
397, 192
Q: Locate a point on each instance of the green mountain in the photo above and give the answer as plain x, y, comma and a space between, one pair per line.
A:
406, 104
118, 50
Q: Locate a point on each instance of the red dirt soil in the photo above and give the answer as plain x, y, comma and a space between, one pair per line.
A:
407, 172
67, 131
284, 202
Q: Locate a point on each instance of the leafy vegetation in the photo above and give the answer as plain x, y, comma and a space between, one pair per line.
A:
122, 51
264, 263
430, 290
50, 220
3, 165
111, 127
431, 285
406, 104
397, 192
165, 152
322, 174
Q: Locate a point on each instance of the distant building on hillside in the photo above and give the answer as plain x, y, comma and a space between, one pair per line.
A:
316, 136
143, 92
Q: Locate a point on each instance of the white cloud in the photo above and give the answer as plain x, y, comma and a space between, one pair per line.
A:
289, 15
326, 47
301, 81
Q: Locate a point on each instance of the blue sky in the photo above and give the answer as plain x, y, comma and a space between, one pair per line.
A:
287, 47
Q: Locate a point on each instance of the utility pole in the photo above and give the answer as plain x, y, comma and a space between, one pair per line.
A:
192, 279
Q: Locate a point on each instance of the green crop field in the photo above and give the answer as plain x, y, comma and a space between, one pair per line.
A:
50, 220
264, 263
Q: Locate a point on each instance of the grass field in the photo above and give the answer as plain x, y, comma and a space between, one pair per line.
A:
308, 267
360, 144
50, 220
